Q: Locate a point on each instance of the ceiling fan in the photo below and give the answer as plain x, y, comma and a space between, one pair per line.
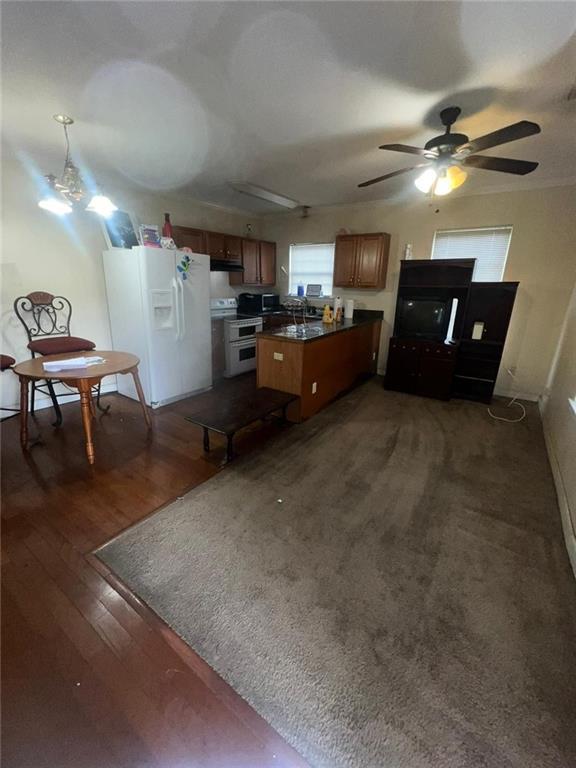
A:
449, 153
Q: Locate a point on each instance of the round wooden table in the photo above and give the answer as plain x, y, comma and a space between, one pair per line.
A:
83, 379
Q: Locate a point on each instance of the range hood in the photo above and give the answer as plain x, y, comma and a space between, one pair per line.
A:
221, 265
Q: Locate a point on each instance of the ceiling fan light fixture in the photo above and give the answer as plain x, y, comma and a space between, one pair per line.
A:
425, 181
443, 186
456, 175
101, 205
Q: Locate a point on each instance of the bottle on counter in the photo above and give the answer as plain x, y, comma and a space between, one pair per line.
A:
337, 309
328, 315
300, 289
167, 226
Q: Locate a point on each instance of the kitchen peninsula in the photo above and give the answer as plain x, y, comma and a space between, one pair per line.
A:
318, 361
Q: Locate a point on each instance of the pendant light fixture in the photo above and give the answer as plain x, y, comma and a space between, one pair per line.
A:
69, 190
441, 180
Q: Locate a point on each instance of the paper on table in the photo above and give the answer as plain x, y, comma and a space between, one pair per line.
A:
72, 362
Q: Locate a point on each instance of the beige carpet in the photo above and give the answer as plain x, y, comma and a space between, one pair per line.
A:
407, 604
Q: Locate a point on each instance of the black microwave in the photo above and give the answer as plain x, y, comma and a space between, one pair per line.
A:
258, 303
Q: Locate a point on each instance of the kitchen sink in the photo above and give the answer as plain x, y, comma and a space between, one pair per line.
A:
302, 331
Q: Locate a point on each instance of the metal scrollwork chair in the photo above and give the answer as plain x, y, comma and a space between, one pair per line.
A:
6, 363
46, 319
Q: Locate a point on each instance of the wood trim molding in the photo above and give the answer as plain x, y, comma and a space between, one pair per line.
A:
563, 501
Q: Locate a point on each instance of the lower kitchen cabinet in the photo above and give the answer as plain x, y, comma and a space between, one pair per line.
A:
317, 369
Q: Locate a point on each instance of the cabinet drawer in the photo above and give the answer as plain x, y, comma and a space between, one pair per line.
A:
437, 351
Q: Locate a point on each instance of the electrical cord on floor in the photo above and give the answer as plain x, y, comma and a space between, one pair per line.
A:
510, 421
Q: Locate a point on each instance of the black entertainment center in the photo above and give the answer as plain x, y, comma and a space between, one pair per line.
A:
449, 332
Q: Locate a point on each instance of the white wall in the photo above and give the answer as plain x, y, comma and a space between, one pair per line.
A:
559, 417
63, 255
541, 258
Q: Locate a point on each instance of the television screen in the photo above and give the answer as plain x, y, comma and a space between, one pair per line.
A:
423, 317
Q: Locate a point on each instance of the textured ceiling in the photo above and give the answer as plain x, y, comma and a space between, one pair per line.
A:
295, 97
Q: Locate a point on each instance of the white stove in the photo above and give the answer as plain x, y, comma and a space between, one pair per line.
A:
223, 308
239, 336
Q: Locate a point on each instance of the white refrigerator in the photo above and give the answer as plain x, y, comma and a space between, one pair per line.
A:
159, 307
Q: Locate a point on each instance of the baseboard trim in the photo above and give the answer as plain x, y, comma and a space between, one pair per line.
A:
563, 503
529, 396
43, 401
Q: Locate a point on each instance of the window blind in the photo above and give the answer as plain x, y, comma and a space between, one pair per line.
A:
488, 245
311, 263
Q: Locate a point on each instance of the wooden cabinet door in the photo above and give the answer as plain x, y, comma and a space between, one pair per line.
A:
216, 245
370, 266
345, 261
187, 237
251, 262
403, 365
435, 377
233, 249
267, 263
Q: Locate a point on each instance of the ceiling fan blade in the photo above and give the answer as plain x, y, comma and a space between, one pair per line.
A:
503, 136
390, 175
409, 150
502, 164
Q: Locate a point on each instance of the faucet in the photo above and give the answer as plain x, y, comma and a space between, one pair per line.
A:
294, 304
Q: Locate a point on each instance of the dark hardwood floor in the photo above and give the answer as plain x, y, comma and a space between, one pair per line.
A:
91, 678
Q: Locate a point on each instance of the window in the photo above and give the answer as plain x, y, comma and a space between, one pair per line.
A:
489, 246
311, 263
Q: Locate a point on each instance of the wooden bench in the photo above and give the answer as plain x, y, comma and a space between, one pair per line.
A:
228, 414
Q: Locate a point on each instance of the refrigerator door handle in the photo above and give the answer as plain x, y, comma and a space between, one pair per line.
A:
175, 292
181, 301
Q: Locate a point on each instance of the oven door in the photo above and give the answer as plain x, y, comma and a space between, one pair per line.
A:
239, 330
240, 357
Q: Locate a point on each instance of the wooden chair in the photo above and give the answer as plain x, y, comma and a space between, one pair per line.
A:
46, 320
6, 363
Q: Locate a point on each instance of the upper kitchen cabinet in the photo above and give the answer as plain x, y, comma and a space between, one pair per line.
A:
216, 245
233, 249
361, 261
223, 247
267, 263
187, 237
250, 262
345, 260
259, 262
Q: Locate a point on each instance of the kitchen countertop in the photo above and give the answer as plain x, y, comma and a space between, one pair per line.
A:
316, 329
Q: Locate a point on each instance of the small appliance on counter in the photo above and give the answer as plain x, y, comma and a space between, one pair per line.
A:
258, 303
